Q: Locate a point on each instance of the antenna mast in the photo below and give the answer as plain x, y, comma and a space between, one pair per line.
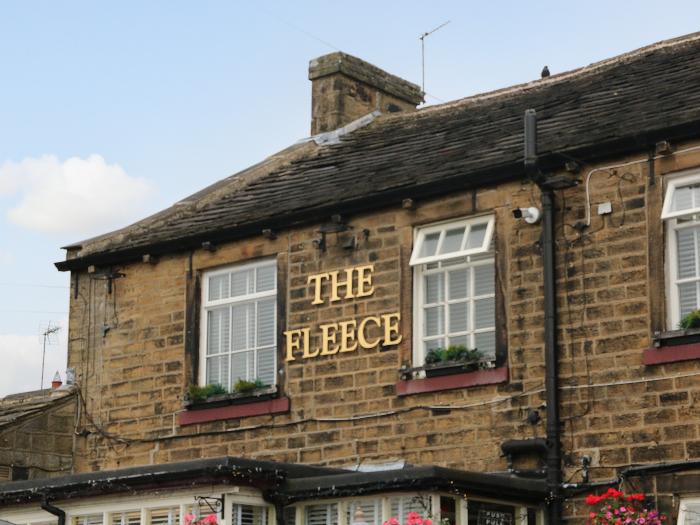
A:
422, 50
47, 334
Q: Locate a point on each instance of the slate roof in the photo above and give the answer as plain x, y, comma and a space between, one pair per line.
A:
620, 105
16, 407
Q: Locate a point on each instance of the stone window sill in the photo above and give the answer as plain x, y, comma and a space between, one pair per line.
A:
449, 382
255, 407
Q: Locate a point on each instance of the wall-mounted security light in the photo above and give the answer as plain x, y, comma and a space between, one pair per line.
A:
531, 215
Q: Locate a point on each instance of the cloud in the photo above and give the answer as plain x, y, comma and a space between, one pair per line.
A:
22, 372
77, 196
6, 258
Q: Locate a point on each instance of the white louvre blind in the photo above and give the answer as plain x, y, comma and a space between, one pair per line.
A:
322, 514
248, 515
88, 519
453, 239
689, 512
126, 518
365, 511
401, 505
164, 516
682, 197
240, 312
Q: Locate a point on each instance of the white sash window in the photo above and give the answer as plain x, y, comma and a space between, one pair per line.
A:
239, 325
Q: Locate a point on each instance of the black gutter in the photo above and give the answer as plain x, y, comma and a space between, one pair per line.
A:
264, 475
553, 453
508, 171
412, 479
59, 513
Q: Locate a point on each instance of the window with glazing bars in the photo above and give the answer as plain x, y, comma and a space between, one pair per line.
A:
454, 287
681, 212
239, 324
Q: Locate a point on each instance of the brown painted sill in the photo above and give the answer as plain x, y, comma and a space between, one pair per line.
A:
671, 353
449, 382
279, 405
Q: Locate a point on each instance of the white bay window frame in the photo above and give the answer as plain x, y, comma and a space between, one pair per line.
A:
681, 214
250, 300
471, 254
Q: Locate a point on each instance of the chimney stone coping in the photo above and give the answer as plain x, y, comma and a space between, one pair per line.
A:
358, 69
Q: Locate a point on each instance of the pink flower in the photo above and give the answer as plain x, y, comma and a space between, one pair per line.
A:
209, 520
189, 518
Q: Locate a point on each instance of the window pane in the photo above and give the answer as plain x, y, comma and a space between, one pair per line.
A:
686, 253
240, 326
266, 365
217, 371
126, 518
433, 288
218, 287
458, 317
434, 343
402, 505
165, 516
265, 279
477, 233
430, 243
241, 283
322, 514
460, 340
218, 330
452, 241
241, 363
485, 342
266, 323
365, 512
484, 313
682, 198
248, 515
688, 298
433, 321
484, 279
458, 280
692, 513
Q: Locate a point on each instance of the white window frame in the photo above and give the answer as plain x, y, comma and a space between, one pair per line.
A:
206, 305
419, 272
672, 225
421, 232
683, 508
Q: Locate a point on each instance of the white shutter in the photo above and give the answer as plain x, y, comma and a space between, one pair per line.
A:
402, 505
248, 515
165, 516
126, 518
371, 512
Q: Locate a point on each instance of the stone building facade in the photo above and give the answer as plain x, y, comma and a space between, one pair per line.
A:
330, 271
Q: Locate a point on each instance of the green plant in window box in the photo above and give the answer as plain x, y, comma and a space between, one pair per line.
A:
246, 387
691, 320
454, 358
202, 393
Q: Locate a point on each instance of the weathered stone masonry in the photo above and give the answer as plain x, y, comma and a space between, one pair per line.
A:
610, 302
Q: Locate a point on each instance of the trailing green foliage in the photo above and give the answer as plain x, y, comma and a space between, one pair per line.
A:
242, 386
459, 353
692, 320
200, 393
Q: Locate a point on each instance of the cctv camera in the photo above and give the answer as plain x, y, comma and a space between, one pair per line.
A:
531, 215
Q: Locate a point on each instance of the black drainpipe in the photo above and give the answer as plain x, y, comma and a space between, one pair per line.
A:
554, 478
59, 513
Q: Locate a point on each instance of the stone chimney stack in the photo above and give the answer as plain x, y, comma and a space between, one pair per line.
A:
345, 88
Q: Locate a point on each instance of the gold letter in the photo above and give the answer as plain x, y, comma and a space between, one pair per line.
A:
347, 335
327, 337
316, 279
335, 285
292, 343
389, 328
361, 335
364, 277
307, 352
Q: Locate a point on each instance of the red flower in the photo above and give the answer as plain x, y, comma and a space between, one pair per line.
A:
635, 497
592, 499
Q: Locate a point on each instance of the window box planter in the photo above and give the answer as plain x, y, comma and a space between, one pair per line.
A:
222, 400
446, 368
